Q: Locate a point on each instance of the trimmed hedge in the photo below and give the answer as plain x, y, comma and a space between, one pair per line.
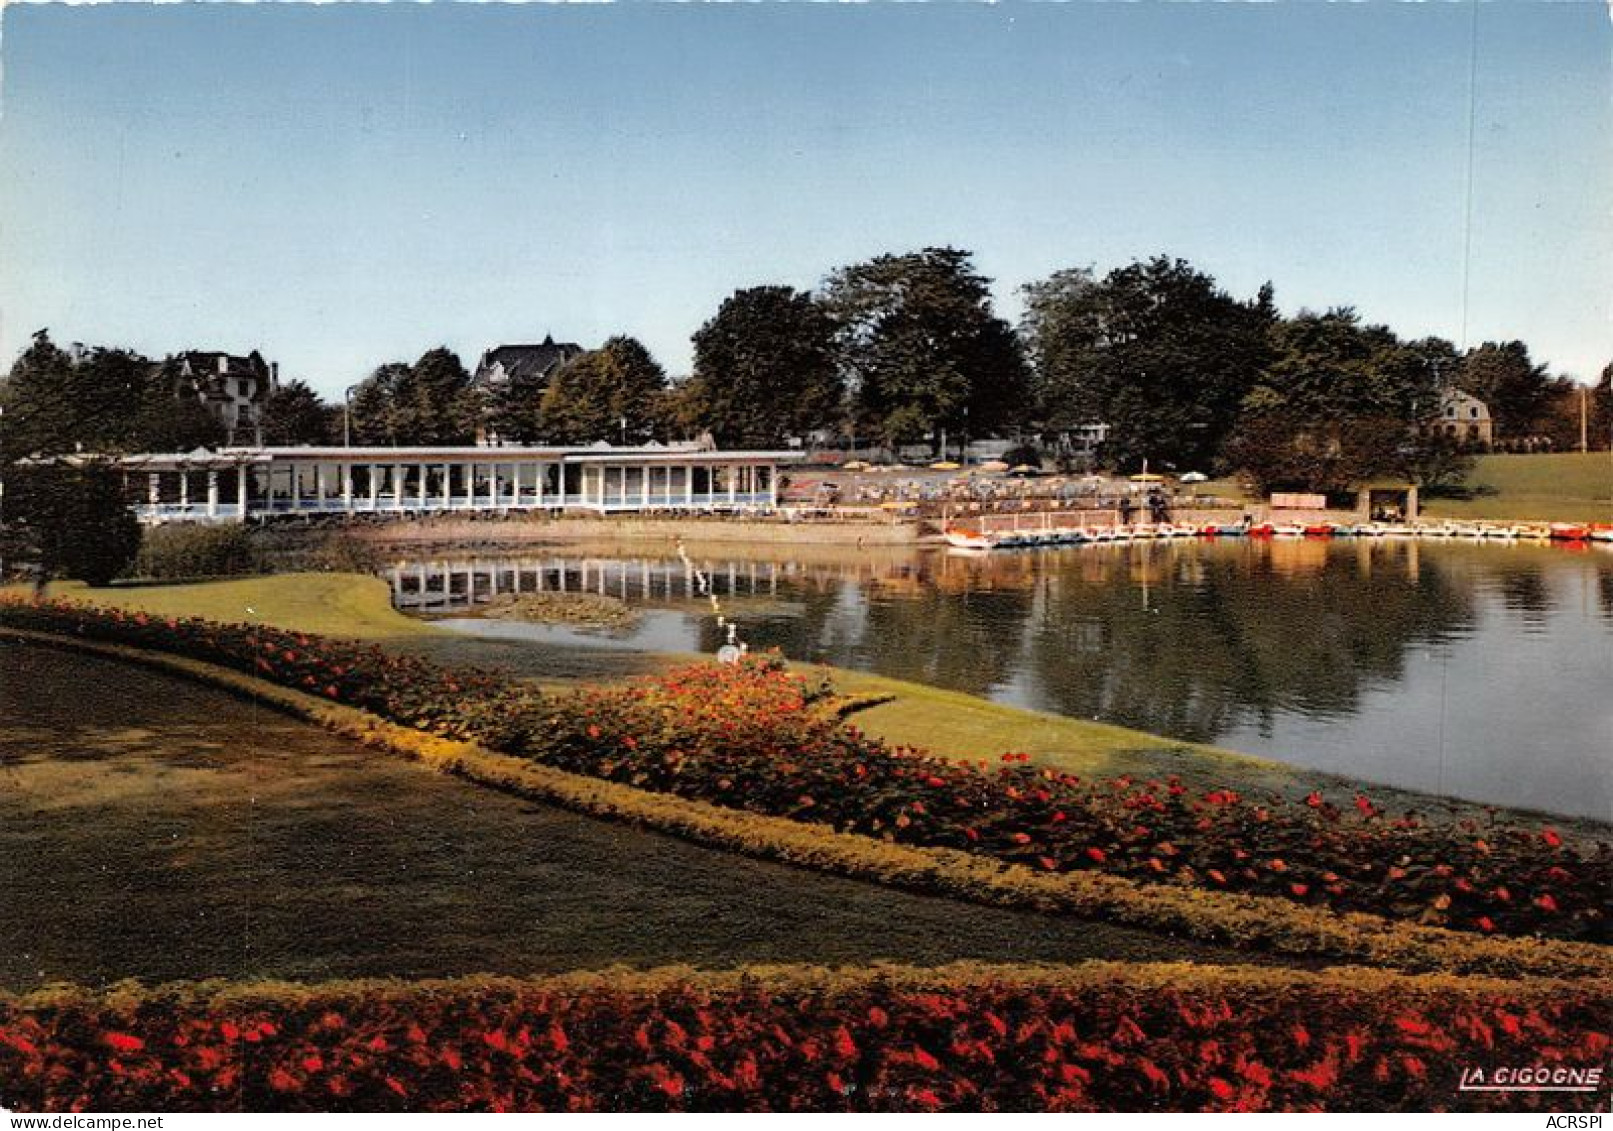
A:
1097, 1037
184, 551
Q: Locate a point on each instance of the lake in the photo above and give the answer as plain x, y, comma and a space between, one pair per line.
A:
1482, 671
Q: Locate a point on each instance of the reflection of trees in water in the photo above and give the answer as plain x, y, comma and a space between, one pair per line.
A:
821, 623
969, 640
1524, 590
1229, 634
1604, 592
948, 621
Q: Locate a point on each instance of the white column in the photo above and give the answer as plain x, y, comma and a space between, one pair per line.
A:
493, 496
447, 486
374, 473
645, 471
423, 468
242, 475
397, 487
319, 486
772, 484
154, 488
184, 490
212, 494
733, 479
347, 486
543, 474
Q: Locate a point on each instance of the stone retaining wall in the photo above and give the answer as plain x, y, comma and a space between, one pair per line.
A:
539, 531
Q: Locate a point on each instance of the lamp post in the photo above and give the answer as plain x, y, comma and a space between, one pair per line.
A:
347, 413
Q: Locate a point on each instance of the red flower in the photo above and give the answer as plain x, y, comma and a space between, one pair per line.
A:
1551, 837
1097, 855
123, 1042
925, 1060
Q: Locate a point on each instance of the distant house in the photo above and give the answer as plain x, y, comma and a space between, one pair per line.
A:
233, 389
538, 363
1463, 417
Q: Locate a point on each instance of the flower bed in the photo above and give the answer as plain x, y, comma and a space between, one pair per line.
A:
758, 739
1095, 1037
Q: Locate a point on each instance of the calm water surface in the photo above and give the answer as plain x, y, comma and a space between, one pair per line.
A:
1480, 671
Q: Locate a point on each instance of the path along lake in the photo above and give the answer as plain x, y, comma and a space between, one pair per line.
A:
1481, 671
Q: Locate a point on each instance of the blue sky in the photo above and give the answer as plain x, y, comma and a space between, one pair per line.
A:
342, 185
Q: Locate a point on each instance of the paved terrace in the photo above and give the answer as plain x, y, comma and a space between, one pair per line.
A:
236, 484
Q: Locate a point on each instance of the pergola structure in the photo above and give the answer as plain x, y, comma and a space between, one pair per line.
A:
236, 484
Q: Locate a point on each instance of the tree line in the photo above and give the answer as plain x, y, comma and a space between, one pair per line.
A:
900, 350
907, 349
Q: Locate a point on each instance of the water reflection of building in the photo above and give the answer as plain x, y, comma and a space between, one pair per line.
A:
449, 584
1302, 557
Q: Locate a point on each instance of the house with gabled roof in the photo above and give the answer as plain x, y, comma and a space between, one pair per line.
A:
233, 389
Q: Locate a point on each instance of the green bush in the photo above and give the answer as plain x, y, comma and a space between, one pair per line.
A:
341, 553
169, 553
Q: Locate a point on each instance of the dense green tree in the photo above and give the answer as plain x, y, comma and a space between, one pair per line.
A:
921, 350
1339, 403
434, 404
99, 400
1156, 350
1063, 330
57, 402
617, 393
63, 413
371, 422
764, 370
70, 517
428, 403
296, 414
514, 411
1503, 376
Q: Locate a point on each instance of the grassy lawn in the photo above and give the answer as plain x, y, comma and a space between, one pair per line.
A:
333, 604
947, 722
1557, 487
1561, 487
161, 830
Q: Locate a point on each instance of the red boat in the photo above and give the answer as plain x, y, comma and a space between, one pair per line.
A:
1319, 530
1262, 530
1569, 532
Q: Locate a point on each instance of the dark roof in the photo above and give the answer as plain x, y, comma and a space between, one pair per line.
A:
541, 359
206, 362
209, 383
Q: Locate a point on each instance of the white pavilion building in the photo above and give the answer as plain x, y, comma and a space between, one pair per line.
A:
237, 484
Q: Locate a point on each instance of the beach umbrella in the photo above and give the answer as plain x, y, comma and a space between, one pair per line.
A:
1195, 477
1020, 469
944, 465
854, 465
994, 465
